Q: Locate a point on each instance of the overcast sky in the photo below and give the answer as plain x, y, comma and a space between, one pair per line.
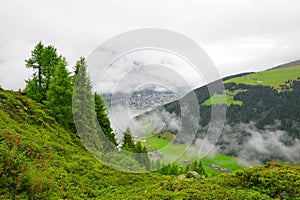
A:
239, 36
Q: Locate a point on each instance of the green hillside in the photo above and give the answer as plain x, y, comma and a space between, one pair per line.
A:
225, 98
279, 78
40, 160
258, 104
161, 140
273, 78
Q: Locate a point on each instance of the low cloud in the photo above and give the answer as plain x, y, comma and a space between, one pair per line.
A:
144, 122
248, 143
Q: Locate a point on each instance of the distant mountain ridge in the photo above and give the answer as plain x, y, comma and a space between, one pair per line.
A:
262, 107
286, 65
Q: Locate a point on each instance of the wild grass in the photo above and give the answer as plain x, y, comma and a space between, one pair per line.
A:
273, 78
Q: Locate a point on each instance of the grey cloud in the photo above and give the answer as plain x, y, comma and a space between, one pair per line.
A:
248, 143
250, 146
232, 32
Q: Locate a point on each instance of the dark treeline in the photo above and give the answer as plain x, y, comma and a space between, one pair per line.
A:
262, 105
265, 105
264, 110
177, 169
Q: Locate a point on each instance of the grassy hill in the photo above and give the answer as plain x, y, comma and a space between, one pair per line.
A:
278, 78
219, 98
273, 78
40, 160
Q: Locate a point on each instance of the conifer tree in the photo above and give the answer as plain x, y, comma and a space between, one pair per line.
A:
140, 152
82, 105
128, 144
59, 96
200, 169
195, 166
33, 90
104, 120
81, 63
82, 99
43, 61
88, 111
142, 155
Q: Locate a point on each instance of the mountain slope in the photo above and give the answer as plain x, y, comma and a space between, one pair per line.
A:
40, 160
48, 161
262, 117
289, 64
275, 78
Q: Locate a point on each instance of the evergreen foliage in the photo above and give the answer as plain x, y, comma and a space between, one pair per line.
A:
177, 169
104, 120
128, 144
43, 61
198, 167
59, 96
89, 112
83, 107
139, 152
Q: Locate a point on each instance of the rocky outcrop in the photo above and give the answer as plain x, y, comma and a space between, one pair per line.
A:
190, 174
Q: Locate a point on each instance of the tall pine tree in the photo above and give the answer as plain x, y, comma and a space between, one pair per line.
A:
82, 98
81, 63
128, 144
43, 61
104, 120
84, 112
59, 96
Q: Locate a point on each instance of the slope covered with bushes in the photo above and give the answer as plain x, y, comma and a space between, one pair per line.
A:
41, 160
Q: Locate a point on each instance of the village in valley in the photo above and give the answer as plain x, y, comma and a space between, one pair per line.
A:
140, 100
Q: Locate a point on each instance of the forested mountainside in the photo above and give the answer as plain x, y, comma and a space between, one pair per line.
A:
262, 108
41, 160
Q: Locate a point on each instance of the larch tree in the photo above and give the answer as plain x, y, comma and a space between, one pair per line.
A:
43, 61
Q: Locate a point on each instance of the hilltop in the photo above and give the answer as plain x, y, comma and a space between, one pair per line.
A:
289, 64
277, 78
